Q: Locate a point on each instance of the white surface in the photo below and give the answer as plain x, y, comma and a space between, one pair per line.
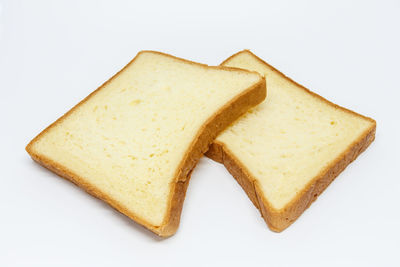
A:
54, 53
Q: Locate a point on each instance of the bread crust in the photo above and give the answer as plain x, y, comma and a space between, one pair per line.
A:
279, 219
207, 133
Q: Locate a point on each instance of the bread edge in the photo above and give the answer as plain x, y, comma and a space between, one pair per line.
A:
279, 220
207, 133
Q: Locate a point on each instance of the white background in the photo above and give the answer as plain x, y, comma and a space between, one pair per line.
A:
54, 53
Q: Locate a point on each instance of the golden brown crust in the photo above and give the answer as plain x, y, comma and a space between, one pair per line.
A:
210, 130
278, 220
207, 133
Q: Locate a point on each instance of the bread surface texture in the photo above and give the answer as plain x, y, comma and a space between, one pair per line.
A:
134, 141
286, 151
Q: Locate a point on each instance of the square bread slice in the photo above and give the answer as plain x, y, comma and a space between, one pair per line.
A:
134, 141
288, 149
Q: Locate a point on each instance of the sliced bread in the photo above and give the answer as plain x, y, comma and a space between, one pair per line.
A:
288, 149
135, 140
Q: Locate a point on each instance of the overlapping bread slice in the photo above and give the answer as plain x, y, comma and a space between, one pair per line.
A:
134, 141
288, 149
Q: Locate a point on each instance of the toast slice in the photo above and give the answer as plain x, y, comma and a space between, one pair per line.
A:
135, 140
288, 149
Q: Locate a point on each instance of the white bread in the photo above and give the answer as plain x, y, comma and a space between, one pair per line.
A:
288, 149
134, 141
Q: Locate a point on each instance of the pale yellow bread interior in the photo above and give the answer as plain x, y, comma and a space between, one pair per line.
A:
292, 137
129, 138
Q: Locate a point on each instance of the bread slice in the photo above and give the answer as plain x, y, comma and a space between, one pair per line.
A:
288, 149
134, 141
